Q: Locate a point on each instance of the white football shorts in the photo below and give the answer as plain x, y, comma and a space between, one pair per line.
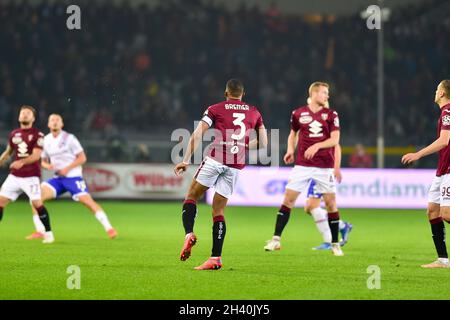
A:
440, 191
301, 176
212, 173
14, 186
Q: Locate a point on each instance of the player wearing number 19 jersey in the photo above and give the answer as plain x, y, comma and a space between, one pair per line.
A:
25, 144
64, 155
233, 121
439, 193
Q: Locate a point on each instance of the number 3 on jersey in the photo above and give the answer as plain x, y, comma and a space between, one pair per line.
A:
238, 121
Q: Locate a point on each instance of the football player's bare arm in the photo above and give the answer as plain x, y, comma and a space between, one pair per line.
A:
45, 163
5, 155
337, 163
291, 146
332, 141
194, 142
79, 161
439, 144
261, 141
34, 157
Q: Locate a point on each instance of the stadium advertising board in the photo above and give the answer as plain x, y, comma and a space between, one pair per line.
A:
134, 181
260, 186
360, 188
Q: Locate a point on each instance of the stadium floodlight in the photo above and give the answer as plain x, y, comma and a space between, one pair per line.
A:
376, 15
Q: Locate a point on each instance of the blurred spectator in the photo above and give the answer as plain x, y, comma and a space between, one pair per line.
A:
157, 67
360, 158
116, 149
142, 153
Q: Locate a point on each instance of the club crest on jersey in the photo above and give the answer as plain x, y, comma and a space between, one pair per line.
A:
446, 120
324, 116
305, 119
30, 137
16, 140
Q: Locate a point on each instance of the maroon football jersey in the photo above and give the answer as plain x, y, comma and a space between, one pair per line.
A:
233, 121
314, 128
23, 141
444, 154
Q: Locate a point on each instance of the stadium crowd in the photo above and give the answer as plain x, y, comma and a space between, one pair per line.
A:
155, 68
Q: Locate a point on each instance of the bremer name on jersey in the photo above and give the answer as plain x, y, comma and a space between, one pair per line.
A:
22, 142
233, 121
314, 128
444, 154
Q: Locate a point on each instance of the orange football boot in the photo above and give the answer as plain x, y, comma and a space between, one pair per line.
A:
112, 233
35, 235
189, 242
213, 263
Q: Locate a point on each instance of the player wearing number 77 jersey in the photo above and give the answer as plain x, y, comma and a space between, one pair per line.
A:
26, 145
64, 155
233, 121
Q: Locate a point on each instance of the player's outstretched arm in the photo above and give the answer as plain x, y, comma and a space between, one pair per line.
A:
34, 157
261, 141
194, 142
332, 141
439, 144
5, 155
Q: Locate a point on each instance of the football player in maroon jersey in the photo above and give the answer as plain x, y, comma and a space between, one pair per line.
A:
233, 121
315, 128
25, 145
439, 193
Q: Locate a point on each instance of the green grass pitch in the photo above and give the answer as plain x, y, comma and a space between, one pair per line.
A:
143, 262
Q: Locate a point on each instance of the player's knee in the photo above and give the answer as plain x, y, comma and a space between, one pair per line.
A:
289, 202
217, 213
307, 209
3, 202
194, 194
330, 204
433, 213
37, 203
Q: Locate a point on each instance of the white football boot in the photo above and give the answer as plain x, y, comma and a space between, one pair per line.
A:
273, 244
336, 249
48, 237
